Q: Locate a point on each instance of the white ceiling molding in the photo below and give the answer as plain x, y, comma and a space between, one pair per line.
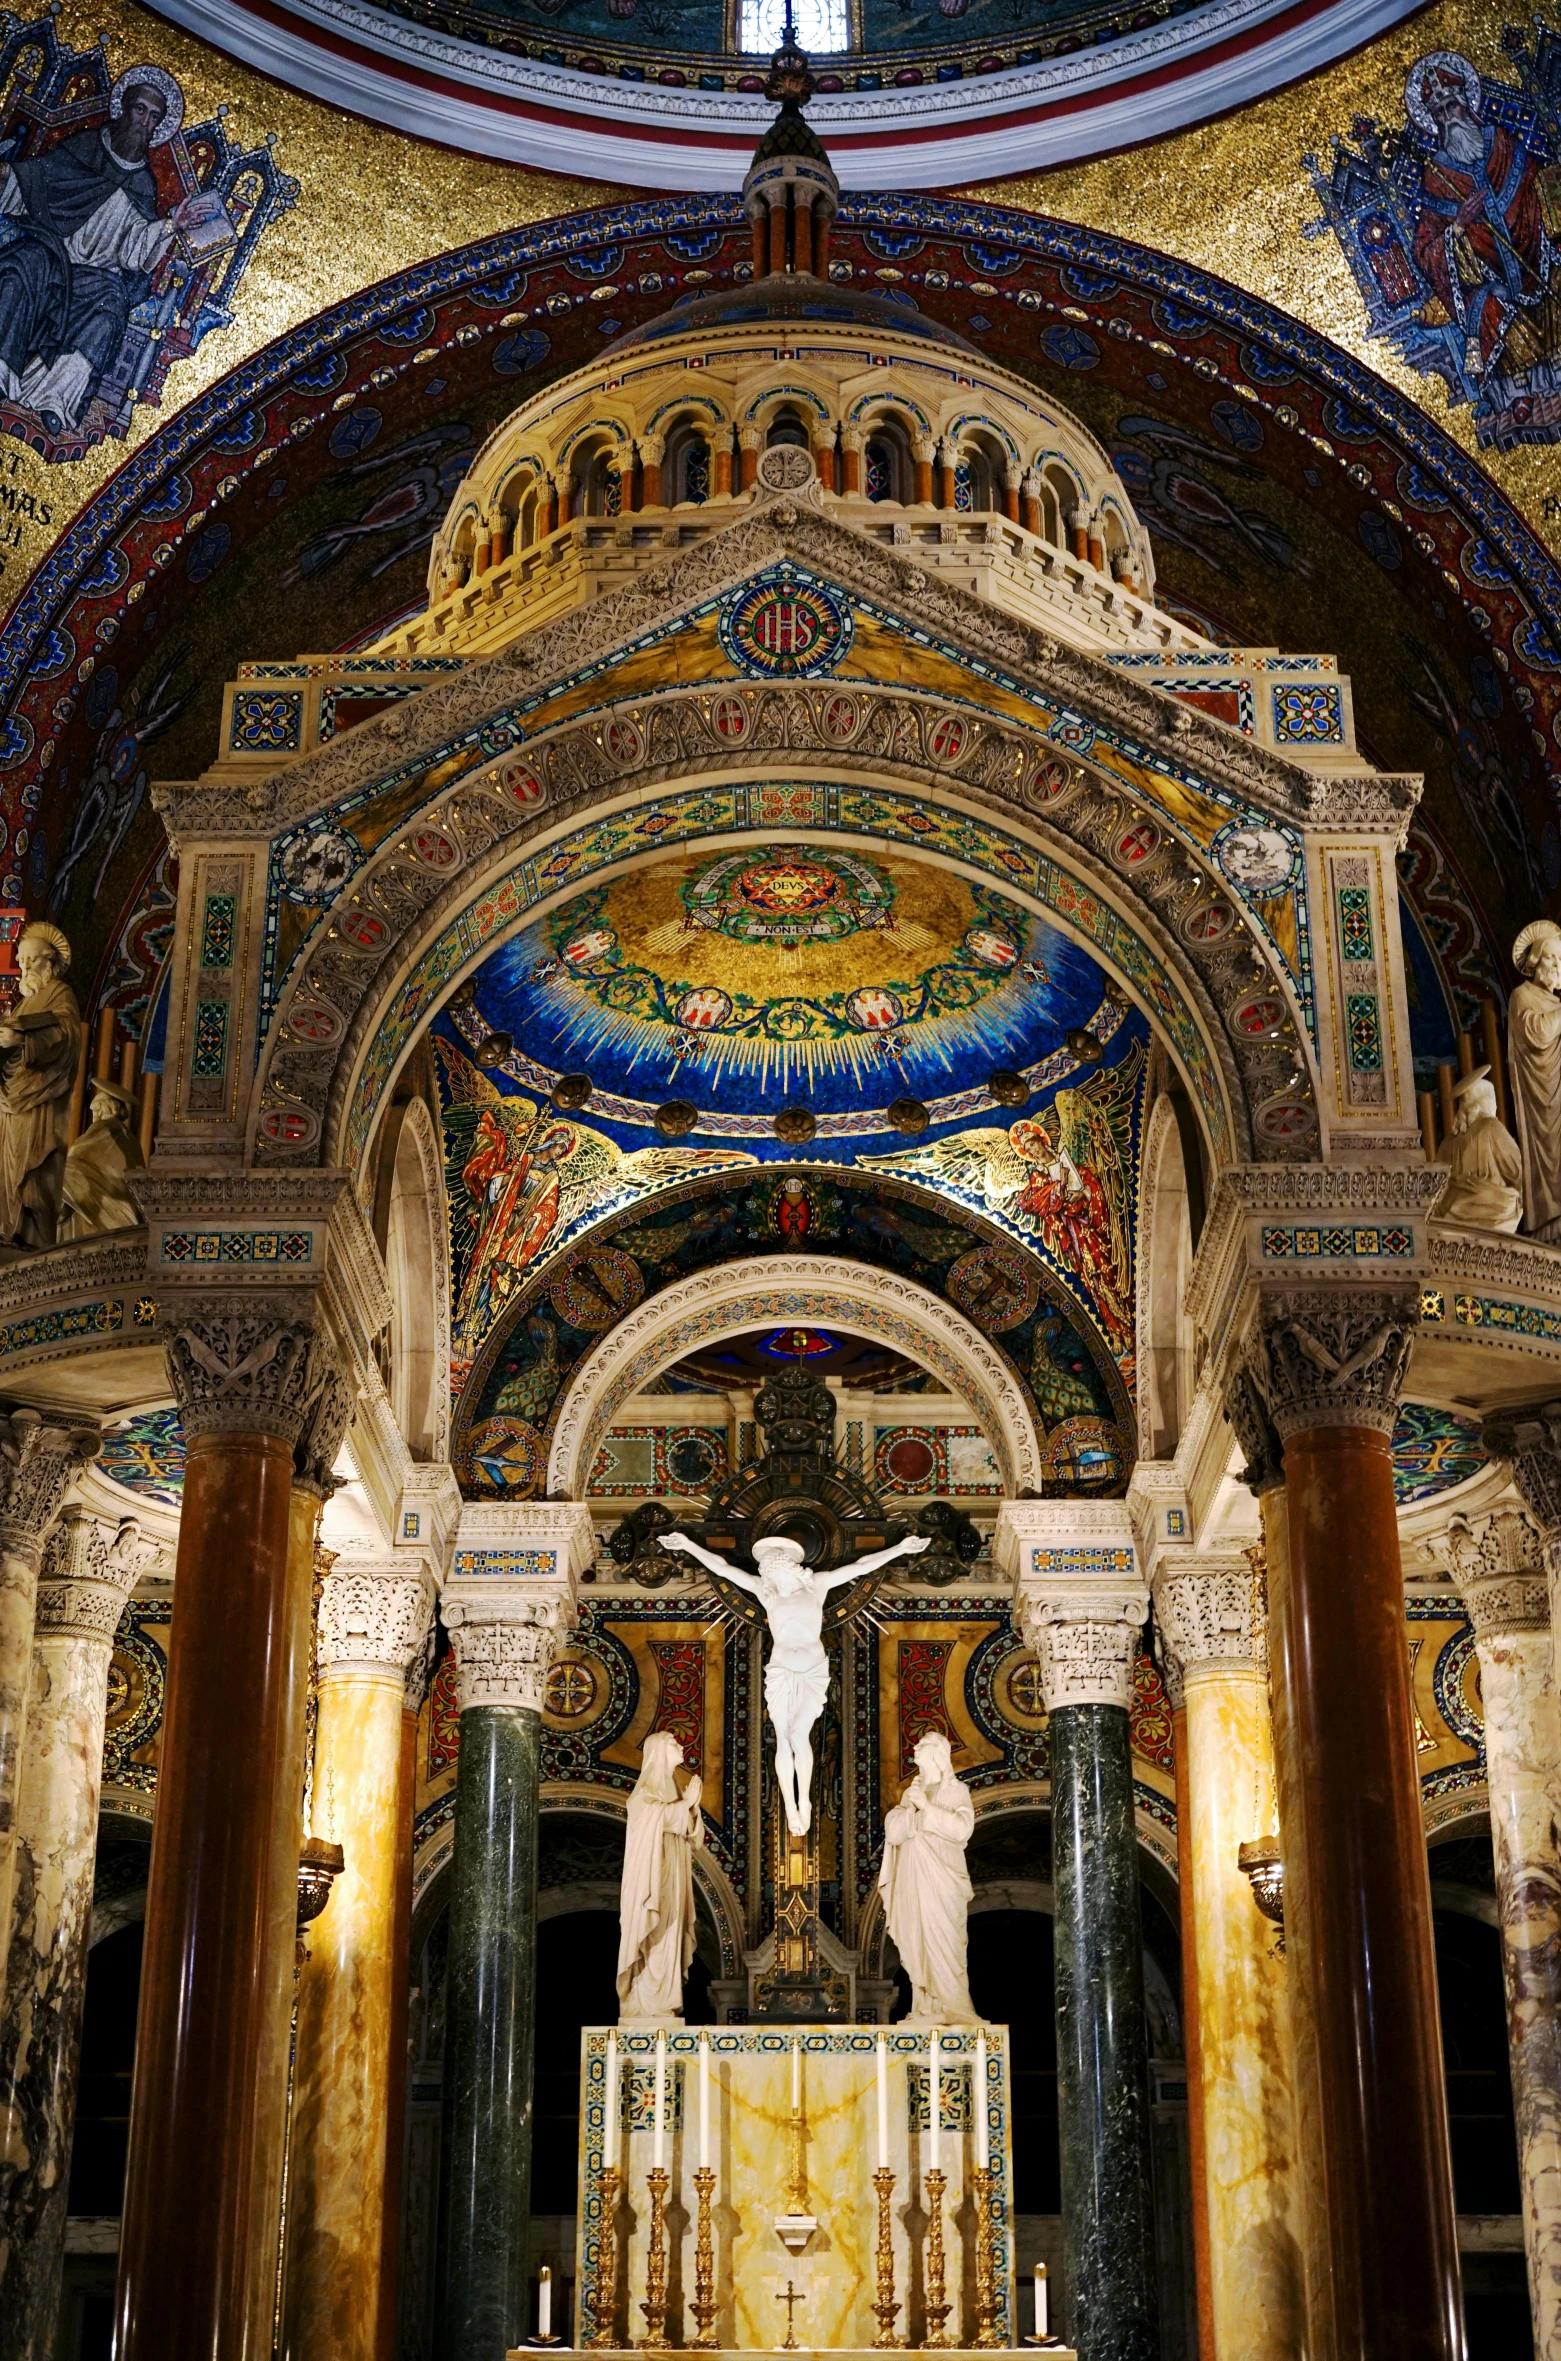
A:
358, 57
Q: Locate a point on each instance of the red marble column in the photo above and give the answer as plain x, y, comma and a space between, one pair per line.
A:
198, 2249
1332, 1366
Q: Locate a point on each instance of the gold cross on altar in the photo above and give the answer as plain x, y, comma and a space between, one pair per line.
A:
792, 2297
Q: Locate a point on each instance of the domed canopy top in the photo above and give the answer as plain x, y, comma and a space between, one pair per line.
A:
791, 295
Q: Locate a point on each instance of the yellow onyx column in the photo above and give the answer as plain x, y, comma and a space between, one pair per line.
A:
373, 1617
1205, 1608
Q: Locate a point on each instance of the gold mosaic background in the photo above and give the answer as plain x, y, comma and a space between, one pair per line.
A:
369, 203
1234, 197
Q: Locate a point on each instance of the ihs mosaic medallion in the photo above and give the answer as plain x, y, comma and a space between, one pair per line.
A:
798, 896
785, 630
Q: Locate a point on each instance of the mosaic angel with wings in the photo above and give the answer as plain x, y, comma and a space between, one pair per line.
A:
518, 1175
1065, 1177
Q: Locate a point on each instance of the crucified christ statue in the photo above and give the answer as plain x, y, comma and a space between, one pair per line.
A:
796, 1677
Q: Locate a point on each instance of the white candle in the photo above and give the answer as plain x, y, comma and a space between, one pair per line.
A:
934, 2095
1040, 2300
982, 2158
704, 2100
883, 2104
544, 2302
659, 2157
796, 2075
610, 2128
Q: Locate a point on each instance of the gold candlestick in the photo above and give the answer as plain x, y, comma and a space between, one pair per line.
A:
887, 2305
604, 2297
704, 2266
986, 2260
938, 2307
655, 2305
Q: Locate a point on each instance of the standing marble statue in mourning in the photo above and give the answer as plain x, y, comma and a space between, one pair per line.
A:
40, 1043
1534, 1062
926, 1888
656, 1912
1485, 1188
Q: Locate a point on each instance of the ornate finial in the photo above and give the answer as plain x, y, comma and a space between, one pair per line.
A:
790, 82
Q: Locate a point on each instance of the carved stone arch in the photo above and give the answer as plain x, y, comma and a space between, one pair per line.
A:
724, 1300
888, 399
1133, 935
1114, 734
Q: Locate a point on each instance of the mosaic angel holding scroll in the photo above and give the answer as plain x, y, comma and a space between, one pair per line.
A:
1065, 1176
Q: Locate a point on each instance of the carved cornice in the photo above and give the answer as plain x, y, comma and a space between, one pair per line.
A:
1208, 1618
89, 1570
375, 1620
1334, 1356
40, 1457
1489, 1258
92, 1266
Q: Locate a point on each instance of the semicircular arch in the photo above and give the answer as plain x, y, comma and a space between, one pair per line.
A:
883, 1306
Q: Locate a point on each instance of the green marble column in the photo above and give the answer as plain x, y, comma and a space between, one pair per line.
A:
485, 2163
506, 1605
1082, 1610
1102, 2065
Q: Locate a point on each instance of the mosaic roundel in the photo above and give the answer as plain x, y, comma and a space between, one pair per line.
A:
146, 1454
1433, 1450
907, 1461
508, 1452
797, 895
597, 1287
994, 1287
785, 630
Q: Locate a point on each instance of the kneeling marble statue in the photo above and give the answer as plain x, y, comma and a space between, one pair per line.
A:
926, 1888
1484, 1191
656, 1911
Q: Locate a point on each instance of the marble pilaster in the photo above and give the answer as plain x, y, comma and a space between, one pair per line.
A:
40, 1457
507, 1604
89, 1571
1497, 1562
1205, 1607
373, 1618
1082, 1607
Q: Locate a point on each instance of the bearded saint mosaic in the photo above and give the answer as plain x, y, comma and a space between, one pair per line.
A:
1451, 223
124, 234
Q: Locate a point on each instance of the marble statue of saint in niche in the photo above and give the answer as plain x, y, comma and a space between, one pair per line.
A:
926, 1887
40, 1042
796, 1678
656, 1907
1534, 1063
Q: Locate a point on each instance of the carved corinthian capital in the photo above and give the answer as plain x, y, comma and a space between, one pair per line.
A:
1334, 1356
1499, 1562
39, 1458
89, 1570
1208, 1618
374, 1619
1530, 1439
1247, 1412
504, 1649
1086, 1647
238, 1365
